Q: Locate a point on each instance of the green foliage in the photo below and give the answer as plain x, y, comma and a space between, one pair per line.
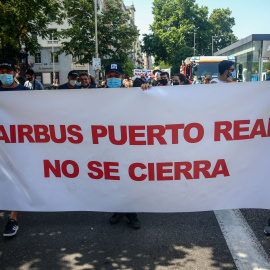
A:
221, 25
115, 36
22, 21
180, 56
266, 66
163, 65
175, 22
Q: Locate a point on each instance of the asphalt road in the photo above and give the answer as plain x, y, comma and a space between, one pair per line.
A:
86, 240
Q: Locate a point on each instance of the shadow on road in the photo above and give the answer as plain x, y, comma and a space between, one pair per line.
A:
85, 240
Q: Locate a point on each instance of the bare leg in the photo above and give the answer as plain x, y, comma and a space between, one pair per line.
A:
13, 215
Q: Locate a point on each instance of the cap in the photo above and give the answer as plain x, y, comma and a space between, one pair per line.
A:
156, 69
73, 73
114, 67
7, 64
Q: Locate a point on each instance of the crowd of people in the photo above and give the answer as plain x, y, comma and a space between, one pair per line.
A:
114, 78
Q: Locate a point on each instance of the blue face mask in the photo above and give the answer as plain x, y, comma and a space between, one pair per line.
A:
233, 74
6, 79
78, 84
114, 82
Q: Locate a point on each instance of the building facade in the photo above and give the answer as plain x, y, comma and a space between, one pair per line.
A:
253, 52
147, 62
52, 69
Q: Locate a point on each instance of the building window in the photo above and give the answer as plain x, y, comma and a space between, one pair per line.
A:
53, 39
38, 58
56, 59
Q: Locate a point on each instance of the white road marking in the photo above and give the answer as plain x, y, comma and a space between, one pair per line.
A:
246, 251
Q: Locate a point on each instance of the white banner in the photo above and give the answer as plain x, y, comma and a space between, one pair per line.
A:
168, 149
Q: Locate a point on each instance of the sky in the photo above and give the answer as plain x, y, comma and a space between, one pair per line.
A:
251, 17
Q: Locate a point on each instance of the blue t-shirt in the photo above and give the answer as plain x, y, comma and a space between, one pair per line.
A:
19, 87
65, 86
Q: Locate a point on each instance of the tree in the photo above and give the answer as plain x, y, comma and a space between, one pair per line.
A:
115, 35
175, 22
22, 21
221, 25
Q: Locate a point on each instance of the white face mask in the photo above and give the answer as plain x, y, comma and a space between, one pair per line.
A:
72, 82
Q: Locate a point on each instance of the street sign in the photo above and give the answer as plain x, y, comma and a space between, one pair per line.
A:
96, 63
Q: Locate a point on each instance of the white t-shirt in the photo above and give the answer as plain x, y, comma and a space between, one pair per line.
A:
217, 81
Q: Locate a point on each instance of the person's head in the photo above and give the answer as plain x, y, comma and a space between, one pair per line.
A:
157, 70
128, 83
7, 72
179, 79
226, 67
164, 78
207, 79
114, 75
18, 71
103, 84
92, 80
30, 75
73, 77
138, 82
84, 79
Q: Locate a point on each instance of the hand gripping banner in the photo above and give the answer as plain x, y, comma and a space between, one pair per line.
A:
168, 149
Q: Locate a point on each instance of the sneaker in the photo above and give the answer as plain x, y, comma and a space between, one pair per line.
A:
133, 221
267, 230
11, 228
116, 217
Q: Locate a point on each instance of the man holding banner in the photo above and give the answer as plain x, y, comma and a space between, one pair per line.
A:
7, 78
114, 77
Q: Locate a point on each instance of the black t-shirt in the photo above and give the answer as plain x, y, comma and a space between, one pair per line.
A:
89, 86
19, 87
21, 80
65, 86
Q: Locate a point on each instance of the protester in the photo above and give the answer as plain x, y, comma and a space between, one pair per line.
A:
195, 80
31, 82
156, 72
7, 78
164, 79
114, 77
85, 82
207, 79
72, 80
92, 81
225, 69
128, 83
20, 79
103, 84
179, 79
138, 82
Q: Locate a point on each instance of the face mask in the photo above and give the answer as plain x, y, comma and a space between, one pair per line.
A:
233, 74
6, 79
114, 83
72, 82
164, 81
78, 84
176, 83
